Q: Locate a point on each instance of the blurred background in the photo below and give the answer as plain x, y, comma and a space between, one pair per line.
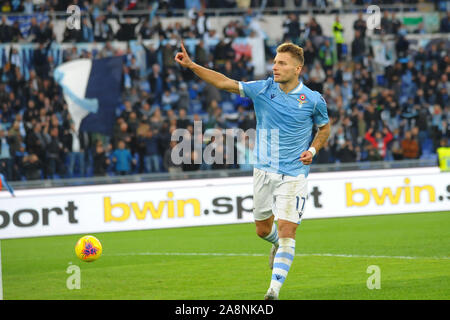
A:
387, 88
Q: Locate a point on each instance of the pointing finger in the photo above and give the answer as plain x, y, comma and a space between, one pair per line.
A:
183, 48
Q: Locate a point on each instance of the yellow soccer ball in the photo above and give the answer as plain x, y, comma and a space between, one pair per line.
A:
88, 248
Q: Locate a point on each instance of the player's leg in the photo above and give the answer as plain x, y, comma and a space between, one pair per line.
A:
262, 212
267, 230
283, 258
262, 204
290, 197
287, 229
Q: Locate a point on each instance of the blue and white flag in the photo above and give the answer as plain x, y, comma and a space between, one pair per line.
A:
92, 90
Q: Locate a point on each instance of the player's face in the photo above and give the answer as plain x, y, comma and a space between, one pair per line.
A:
285, 68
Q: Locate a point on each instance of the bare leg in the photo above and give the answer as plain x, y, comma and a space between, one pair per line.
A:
286, 229
264, 227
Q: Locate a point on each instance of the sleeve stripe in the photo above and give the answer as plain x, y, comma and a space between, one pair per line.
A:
241, 90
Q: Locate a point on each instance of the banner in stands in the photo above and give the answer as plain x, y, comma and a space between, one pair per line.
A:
21, 54
169, 204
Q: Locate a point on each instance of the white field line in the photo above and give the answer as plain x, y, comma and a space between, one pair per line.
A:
223, 254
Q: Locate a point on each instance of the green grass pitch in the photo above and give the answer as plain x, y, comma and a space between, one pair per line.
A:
229, 262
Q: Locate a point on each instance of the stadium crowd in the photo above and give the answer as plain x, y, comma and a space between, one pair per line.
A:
403, 114
33, 6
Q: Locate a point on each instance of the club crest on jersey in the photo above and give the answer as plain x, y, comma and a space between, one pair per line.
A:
301, 100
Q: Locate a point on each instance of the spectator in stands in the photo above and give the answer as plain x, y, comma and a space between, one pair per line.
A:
396, 145
292, 29
385, 24
107, 51
28, 7
37, 140
314, 28
373, 154
46, 32
193, 164
54, 155
40, 60
75, 149
145, 110
123, 135
183, 122
401, 46
346, 153
201, 54
168, 162
317, 77
360, 25
32, 167
122, 159
325, 155
132, 122
444, 26
380, 141
34, 31
102, 29
6, 164
410, 146
401, 103
146, 31
101, 161
15, 138
156, 83
338, 32
192, 4
127, 28
5, 31
87, 31
232, 30
395, 24
183, 97
358, 47
15, 33
310, 54
152, 158
151, 55
168, 100
420, 29
440, 130
202, 22
327, 55
167, 52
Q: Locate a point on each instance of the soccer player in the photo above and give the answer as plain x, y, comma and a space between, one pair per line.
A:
286, 111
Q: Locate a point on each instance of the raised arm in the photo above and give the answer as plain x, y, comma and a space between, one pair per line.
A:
217, 79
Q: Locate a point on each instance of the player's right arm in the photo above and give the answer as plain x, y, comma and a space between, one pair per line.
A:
217, 79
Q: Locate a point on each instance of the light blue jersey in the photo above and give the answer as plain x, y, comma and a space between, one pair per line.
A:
284, 124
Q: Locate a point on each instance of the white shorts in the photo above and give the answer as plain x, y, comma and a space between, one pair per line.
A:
278, 194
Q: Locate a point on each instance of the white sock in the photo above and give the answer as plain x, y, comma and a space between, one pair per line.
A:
282, 263
272, 237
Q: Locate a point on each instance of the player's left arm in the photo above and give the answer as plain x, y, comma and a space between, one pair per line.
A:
319, 141
320, 117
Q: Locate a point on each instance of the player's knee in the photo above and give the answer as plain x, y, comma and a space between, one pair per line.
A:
262, 231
